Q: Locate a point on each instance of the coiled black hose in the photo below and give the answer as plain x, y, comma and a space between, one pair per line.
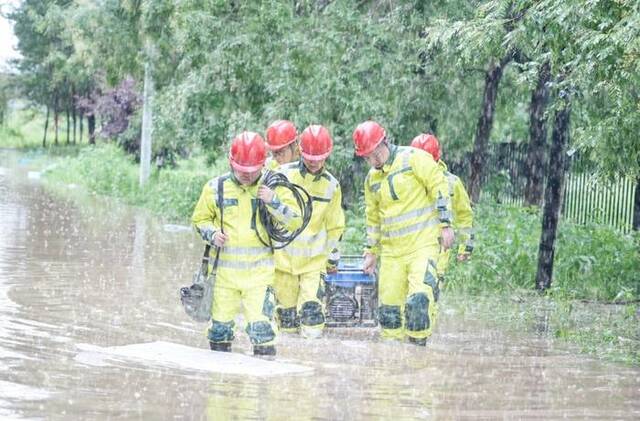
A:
278, 235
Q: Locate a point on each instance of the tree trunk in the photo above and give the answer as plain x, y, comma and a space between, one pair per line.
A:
91, 126
553, 194
68, 126
485, 123
536, 153
81, 126
636, 207
56, 119
46, 127
74, 119
74, 111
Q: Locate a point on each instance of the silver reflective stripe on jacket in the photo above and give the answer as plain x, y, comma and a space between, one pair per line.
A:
410, 229
284, 211
333, 185
310, 245
247, 251
306, 252
310, 239
409, 215
262, 263
372, 233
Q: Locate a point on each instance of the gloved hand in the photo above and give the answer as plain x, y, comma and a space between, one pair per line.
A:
334, 260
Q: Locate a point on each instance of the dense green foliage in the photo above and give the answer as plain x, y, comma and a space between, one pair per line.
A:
594, 45
221, 67
23, 129
592, 261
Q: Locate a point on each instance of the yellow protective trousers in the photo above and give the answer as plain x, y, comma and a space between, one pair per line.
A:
257, 298
462, 219
408, 294
299, 300
443, 263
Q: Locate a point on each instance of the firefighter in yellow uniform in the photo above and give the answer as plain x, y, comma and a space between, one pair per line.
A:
407, 215
300, 266
246, 267
460, 205
282, 142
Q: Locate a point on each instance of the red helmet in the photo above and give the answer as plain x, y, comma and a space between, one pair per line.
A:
247, 153
428, 143
315, 143
367, 136
280, 134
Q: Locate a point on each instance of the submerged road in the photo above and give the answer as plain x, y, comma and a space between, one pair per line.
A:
79, 275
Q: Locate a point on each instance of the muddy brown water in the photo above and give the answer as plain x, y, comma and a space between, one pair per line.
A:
95, 272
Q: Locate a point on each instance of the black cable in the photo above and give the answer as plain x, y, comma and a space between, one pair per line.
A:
277, 233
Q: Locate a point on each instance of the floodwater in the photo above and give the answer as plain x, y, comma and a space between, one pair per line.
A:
91, 273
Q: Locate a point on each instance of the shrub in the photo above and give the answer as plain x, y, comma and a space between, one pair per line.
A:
592, 262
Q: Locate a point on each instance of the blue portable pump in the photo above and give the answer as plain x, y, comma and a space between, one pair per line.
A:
351, 295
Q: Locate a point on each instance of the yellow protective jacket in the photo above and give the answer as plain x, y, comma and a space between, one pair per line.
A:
311, 249
461, 210
407, 203
243, 250
271, 164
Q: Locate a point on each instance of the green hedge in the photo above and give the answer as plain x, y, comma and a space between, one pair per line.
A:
107, 170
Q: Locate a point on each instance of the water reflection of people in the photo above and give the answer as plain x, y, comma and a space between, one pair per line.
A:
246, 266
272, 398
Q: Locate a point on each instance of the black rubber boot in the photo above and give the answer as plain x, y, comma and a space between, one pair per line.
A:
418, 341
220, 346
265, 350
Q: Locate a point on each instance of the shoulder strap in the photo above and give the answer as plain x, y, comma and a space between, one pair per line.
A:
221, 200
207, 248
221, 207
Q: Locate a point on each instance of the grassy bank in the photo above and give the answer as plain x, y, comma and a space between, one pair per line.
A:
606, 331
597, 269
23, 129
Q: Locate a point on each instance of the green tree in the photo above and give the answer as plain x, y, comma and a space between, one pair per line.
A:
481, 41
592, 47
